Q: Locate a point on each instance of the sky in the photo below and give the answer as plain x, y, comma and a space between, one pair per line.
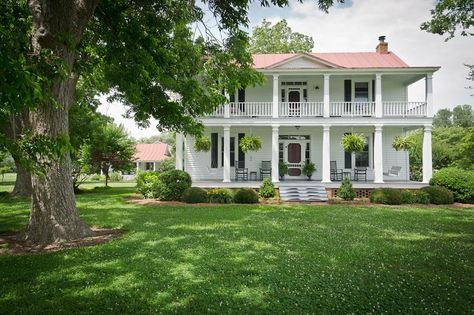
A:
355, 26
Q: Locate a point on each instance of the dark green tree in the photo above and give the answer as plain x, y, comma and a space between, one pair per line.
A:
448, 16
467, 149
443, 118
278, 38
463, 116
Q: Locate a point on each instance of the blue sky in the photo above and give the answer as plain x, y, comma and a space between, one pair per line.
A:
355, 26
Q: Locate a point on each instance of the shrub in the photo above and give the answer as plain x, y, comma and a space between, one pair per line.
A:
386, 196
115, 177
174, 183
460, 182
219, 195
95, 177
148, 184
346, 191
282, 169
439, 195
418, 196
194, 195
267, 189
166, 165
246, 196
308, 169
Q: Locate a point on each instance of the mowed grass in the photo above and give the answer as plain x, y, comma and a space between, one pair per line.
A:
295, 259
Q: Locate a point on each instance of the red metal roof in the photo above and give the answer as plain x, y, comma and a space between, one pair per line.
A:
356, 60
151, 152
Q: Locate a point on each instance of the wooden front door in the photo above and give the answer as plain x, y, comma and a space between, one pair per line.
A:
294, 159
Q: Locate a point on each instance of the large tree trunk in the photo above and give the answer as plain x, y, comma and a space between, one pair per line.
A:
54, 217
22, 182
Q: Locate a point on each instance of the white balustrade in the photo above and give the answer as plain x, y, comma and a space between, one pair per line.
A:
404, 109
251, 109
301, 109
351, 109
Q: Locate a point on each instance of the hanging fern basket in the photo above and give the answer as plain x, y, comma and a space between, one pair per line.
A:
250, 143
402, 143
202, 144
353, 142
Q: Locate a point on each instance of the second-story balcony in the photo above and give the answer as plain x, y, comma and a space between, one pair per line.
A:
316, 109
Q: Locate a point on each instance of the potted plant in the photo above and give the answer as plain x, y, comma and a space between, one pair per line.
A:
402, 143
353, 142
308, 169
202, 144
282, 169
250, 143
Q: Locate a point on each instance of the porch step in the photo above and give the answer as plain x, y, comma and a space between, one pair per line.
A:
303, 192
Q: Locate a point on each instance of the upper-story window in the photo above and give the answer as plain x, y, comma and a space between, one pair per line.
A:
361, 91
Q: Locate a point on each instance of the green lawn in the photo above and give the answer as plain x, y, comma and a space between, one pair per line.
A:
248, 259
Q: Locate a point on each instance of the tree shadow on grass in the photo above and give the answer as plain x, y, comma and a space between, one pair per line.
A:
250, 259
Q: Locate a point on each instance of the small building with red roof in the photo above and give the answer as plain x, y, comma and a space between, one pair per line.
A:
148, 156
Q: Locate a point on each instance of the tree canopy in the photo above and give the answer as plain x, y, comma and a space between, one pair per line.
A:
278, 38
449, 16
460, 116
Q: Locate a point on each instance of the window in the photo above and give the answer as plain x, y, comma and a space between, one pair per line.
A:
286, 83
232, 151
241, 153
361, 91
214, 150
283, 91
347, 157
362, 158
149, 166
280, 152
307, 153
305, 95
294, 137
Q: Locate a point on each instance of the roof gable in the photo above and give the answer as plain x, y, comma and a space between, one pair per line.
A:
303, 61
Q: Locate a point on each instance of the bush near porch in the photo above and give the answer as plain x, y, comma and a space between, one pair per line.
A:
459, 181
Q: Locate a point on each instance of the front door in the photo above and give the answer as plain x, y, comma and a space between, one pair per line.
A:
294, 99
294, 159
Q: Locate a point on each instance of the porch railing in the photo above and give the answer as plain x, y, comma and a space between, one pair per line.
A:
351, 109
301, 109
404, 109
251, 109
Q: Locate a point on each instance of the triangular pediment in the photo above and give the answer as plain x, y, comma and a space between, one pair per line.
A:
303, 61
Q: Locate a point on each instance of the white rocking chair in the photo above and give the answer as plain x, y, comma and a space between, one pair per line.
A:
393, 171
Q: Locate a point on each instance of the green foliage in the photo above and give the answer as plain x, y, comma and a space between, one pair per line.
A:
148, 184
95, 177
415, 196
167, 165
463, 116
202, 144
174, 183
115, 177
308, 169
449, 16
402, 143
168, 137
466, 150
219, 195
246, 196
439, 195
110, 147
282, 168
346, 191
250, 143
353, 142
268, 39
386, 196
443, 118
460, 182
267, 188
195, 195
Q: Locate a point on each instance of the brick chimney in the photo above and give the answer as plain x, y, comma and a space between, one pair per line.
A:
382, 47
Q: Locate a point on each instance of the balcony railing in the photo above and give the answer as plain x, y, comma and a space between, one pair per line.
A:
316, 109
352, 109
404, 109
301, 109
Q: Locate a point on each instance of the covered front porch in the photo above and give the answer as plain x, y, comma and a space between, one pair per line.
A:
296, 145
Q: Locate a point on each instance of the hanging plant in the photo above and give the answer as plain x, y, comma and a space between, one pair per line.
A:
353, 142
402, 143
250, 143
202, 144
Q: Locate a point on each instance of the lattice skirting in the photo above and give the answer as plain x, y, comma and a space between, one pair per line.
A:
360, 192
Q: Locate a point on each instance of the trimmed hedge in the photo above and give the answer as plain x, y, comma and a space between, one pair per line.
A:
174, 183
246, 196
439, 195
416, 196
219, 195
194, 195
267, 189
460, 182
387, 196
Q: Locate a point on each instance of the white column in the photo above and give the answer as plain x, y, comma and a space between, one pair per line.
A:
226, 154
427, 158
429, 95
179, 151
378, 155
275, 112
138, 167
378, 96
326, 96
326, 163
275, 157
226, 106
